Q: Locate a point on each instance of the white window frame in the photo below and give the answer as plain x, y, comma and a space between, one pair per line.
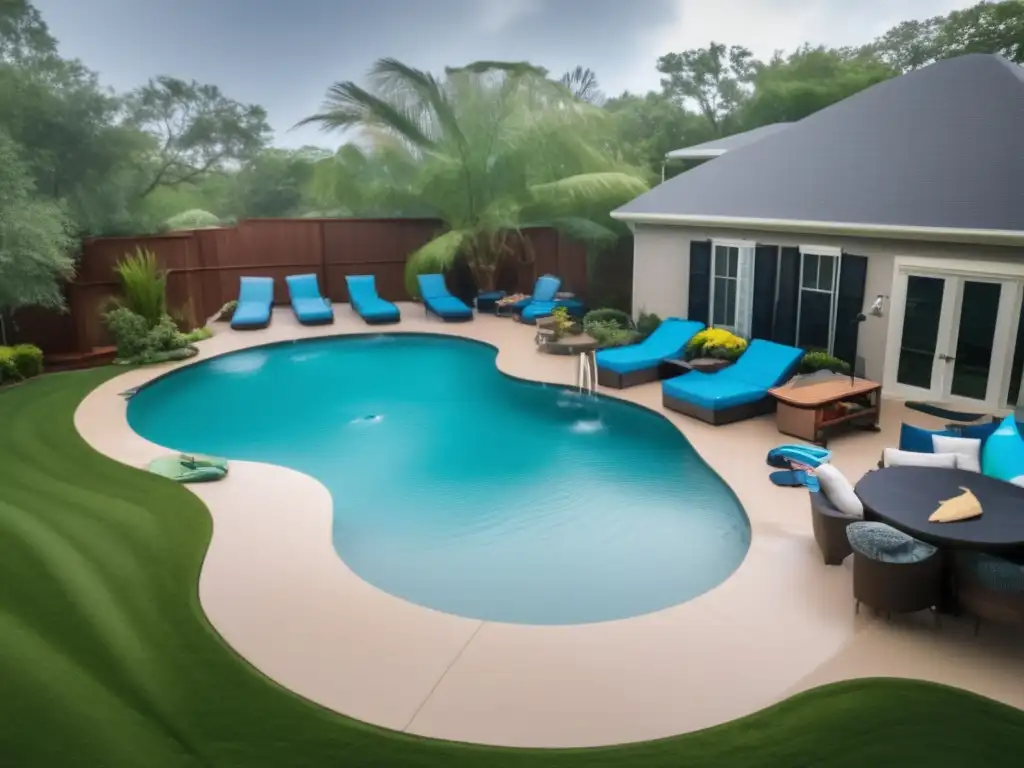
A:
744, 285
833, 292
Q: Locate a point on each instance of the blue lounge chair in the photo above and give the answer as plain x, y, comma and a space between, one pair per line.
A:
638, 364
362, 293
438, 300
255, 298
737, 392
310, 307
542, 303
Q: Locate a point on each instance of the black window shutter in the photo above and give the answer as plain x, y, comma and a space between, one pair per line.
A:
700, 281
784, 330
765, 266
853, 274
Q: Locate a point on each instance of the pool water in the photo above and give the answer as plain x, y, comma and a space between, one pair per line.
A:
461, 489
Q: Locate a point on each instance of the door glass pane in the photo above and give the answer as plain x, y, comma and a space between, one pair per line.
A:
734, 261
978, 314
718, 317
825, 265
920, 330
810, 277
1018, 361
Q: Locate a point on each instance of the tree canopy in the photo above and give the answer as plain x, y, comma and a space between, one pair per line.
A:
489, 148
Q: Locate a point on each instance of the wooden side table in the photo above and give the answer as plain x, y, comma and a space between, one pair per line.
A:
811, 411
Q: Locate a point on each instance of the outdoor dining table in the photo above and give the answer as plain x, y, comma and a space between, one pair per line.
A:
905, 497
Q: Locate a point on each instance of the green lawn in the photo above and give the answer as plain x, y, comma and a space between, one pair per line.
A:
106, 658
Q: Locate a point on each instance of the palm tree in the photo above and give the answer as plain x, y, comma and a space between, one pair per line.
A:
582, 83
491, 149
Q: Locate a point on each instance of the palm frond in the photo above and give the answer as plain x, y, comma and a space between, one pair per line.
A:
582, 230
347, 105
436, 256
588, 194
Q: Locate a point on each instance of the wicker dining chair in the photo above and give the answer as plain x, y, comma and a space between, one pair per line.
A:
830, 528
894, 572
990, 588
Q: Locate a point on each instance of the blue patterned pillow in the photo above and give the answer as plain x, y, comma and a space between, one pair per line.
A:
884, 543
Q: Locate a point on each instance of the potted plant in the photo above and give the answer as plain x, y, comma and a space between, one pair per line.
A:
714, 348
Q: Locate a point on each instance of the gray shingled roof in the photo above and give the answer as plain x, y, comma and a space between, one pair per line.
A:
717, 147
941, 147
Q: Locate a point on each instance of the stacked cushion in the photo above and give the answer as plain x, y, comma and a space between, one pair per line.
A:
967, 451
919, 440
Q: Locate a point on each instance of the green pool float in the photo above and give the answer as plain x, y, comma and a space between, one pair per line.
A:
189, 468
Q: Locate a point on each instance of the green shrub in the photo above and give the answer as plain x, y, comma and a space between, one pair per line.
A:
647, 324
716, 343
28, 360
608, 333
22, 361
226, 312
130, 332
8, 370
616, 316
820, 360
138, 343
198, 334
144, 285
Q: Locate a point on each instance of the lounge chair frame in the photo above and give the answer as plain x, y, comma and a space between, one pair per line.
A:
616, 380
721, 416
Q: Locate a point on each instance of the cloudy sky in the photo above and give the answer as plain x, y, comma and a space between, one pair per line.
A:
284, 54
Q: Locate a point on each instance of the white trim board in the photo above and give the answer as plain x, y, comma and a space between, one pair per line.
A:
897, 232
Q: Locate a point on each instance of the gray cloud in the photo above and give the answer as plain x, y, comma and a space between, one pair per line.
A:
284, 54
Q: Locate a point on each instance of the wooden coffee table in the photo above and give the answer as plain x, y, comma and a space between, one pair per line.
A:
811, 410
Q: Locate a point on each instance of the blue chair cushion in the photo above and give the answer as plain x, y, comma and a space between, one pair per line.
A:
993, 572
538, 309
449, 306
1003, 456
885, 544
668, 341
919, 440
711, 391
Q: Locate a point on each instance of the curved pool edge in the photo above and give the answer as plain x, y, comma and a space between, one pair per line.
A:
391, 663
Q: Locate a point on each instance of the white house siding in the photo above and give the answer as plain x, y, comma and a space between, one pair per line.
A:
661, 271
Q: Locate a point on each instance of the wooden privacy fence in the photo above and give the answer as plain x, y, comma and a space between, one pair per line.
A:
205, 267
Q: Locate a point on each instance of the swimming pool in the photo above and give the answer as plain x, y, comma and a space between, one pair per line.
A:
461, 489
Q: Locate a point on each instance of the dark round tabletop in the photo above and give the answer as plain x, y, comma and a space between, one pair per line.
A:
905, 497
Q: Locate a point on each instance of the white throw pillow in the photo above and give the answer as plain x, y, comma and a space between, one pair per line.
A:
893, 457
839, 491
966, 449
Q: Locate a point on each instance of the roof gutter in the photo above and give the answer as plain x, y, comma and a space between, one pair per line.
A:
895, 232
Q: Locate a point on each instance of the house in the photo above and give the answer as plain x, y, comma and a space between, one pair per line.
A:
907, 197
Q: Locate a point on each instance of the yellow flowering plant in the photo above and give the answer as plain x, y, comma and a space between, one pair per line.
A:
717, 343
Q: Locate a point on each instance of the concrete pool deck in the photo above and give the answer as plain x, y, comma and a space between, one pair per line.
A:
274, 587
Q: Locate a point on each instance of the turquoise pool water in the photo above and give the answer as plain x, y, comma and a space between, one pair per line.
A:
461, 489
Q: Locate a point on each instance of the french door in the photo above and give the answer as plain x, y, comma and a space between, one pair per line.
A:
953, 337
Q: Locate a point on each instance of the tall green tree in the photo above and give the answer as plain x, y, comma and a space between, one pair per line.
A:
792, 87
988, 27
648, 127
198, 130
493, 148
35, 240
716, 79
275, 182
